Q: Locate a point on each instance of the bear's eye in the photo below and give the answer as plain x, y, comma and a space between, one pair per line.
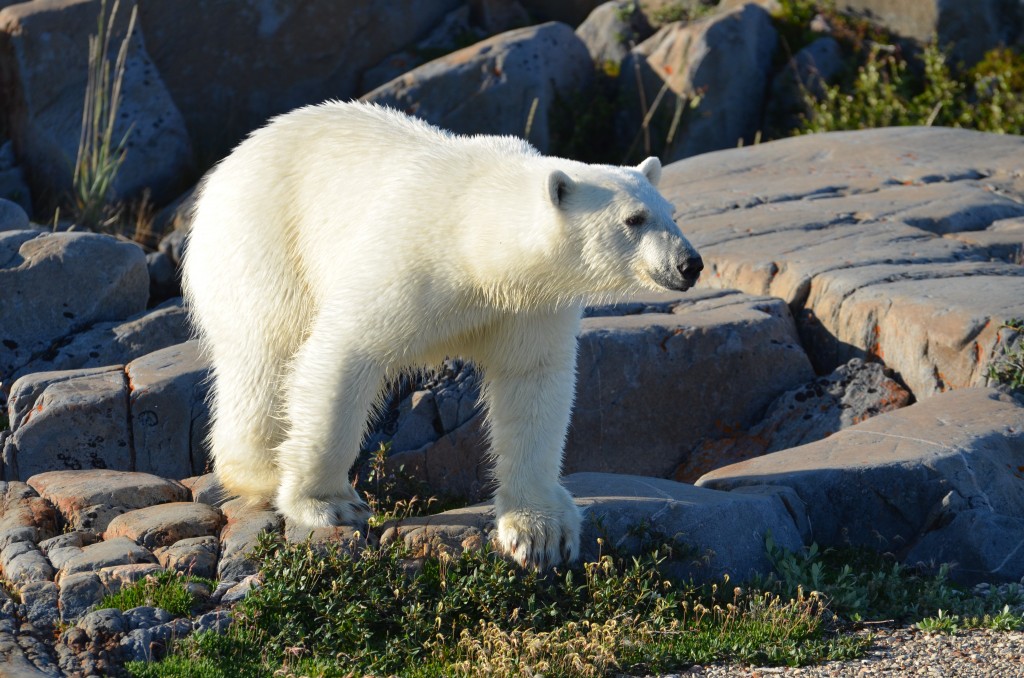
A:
637, 219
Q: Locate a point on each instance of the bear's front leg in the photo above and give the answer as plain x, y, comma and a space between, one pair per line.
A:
330, 392
529, 380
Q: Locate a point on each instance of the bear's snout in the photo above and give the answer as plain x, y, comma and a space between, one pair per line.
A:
690, 269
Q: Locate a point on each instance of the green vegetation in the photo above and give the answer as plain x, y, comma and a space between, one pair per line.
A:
99, 156
323, 611
395, 494
165, 590
1007, 367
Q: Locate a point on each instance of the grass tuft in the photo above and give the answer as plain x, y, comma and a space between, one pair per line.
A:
165, 590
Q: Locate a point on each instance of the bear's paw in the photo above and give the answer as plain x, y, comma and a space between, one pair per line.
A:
346, 509
543, 535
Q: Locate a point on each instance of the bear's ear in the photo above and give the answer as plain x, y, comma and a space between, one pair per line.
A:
559, 186
651, 168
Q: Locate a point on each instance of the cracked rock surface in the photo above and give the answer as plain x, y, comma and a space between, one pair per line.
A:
872, 237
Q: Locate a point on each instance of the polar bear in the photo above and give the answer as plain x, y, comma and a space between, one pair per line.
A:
345, 242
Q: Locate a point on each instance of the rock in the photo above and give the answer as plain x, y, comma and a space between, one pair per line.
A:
449, 533
206, 489
935, 482
84, 278
283, 56
113, 551
46, 46
1004, 240
238, 538
78, 594
172, 223
68, 420
23, 562
239, 591
145, 617
116, 343
13, 186
173, 244
846, 227
968, 30
165, 524
217, 621
101, 625
12, 216
196, 556
493, 86
610, 30
89, 499
808, 73
24, 515
40, 601
115, 577
163, 277
151, 644
716, 73
855, 392
169, 410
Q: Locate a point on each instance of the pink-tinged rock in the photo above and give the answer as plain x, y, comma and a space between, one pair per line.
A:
245, 522
91, 499
24, 515
114, 551
196, 556
165, 524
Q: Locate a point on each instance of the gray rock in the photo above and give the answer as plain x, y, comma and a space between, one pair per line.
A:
144, 617
169, 410
206, 489
13, 185
39, 599
84, 278
491, 87
90, 499
196, 556
12, 216
967, 29
46, 101
69, 420
656, 380
101, 625
304, 54
24, 515
165, 524
62, 554
217, 621
853, 393
719, 532
116, 551
117, 343
22, 562
238, 538
714, 74
151, 644
116, 577
806, 75
74, 539
78, 594
844, 227
173, 244
609, 31
1004, 240
933, 482
239, 591
172, 223
163, 277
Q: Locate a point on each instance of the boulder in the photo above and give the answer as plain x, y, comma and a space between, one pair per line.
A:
13, 186
282, 56
705, 82
169, 410
507, 84
166, 524
245, 522
24, 515
807, 74
83, 278
968, 29
68, 420
717, 532
103, 554
12, 216
847, 228
44, 47
611, 30
40, 601
939, 481
116, 342
78, 594
855, 392
196, 556
90, 499
22, 562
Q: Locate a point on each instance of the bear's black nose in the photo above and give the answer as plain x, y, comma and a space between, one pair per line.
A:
691, 268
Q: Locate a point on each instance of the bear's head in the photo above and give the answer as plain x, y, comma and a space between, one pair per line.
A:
622, 227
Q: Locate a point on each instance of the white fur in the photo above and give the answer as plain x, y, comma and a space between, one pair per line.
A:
344, 243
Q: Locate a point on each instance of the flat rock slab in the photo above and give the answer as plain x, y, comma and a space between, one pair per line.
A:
108, 553
91, 499
165, 524
720, 532
849, 229
939, 481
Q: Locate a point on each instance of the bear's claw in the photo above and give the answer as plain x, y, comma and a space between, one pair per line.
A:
324, 512
541, 537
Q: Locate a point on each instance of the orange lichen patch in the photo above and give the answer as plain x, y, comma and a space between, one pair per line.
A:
713, 454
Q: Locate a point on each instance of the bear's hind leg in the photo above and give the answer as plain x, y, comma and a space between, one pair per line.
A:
330, 394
